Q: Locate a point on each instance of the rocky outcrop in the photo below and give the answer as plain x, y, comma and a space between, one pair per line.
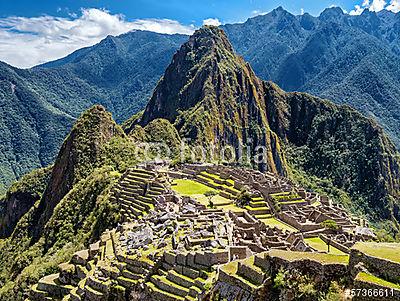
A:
214, 98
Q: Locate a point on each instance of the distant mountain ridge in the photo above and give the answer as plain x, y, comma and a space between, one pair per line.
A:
351, 60
39, 105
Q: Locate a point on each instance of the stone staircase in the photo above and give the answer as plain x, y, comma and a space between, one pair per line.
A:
178, 279
136, 193
259, 208
248, 274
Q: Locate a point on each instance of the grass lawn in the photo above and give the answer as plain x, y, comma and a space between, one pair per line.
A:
319, 257
196, 190
190, 187
389, 251
318, 244
273, 222
366, 277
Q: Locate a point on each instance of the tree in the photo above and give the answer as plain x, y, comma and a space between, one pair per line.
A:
243, 199
210, 194
330, 224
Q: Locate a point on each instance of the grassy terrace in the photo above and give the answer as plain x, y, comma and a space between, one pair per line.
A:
319, 245
366, 277
273, 222
197, 190
319, 257
287, 198
388, 251
231, 182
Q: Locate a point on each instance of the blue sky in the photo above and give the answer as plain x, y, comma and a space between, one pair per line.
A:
187, 12
34, 32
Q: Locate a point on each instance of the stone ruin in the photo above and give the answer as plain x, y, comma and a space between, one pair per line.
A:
173, 248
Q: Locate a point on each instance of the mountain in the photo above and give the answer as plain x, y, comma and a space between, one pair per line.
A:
213, 98
39, 105
220, 98
209, 94
351, 60
51, 213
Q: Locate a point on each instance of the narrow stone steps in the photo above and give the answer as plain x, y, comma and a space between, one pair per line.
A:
263, 216
161, 295
180, 279
132, 210
171, 287
136, 178
126, 282
133, 203
93, 295
133, 276
258, 210
257, 204
194, 292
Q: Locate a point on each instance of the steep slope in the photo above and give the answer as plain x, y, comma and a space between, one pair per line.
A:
349, 59
78, 156
337, 143
20, 198
74, 207
39, 105
213, 97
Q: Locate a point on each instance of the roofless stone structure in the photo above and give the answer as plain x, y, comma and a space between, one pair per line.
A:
177, 241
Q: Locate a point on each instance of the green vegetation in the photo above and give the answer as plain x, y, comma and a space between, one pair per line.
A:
243, 199
388, 251
362, 276
210, 195
40, 105
273, 222
303, 287
21, 196
79, 218
319, 245
319, 257
330, 224
189, 187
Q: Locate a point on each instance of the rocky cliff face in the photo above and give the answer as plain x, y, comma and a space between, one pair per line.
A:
213, 97
78, 157
20, 198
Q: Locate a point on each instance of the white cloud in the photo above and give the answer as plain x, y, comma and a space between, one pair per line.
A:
213, 22
302, 11
25, 42
394, 6
376, 6
357, 10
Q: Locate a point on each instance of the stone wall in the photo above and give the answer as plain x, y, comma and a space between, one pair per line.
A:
383, 268
335, 244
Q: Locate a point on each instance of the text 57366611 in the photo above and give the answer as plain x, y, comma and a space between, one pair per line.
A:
372, 293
